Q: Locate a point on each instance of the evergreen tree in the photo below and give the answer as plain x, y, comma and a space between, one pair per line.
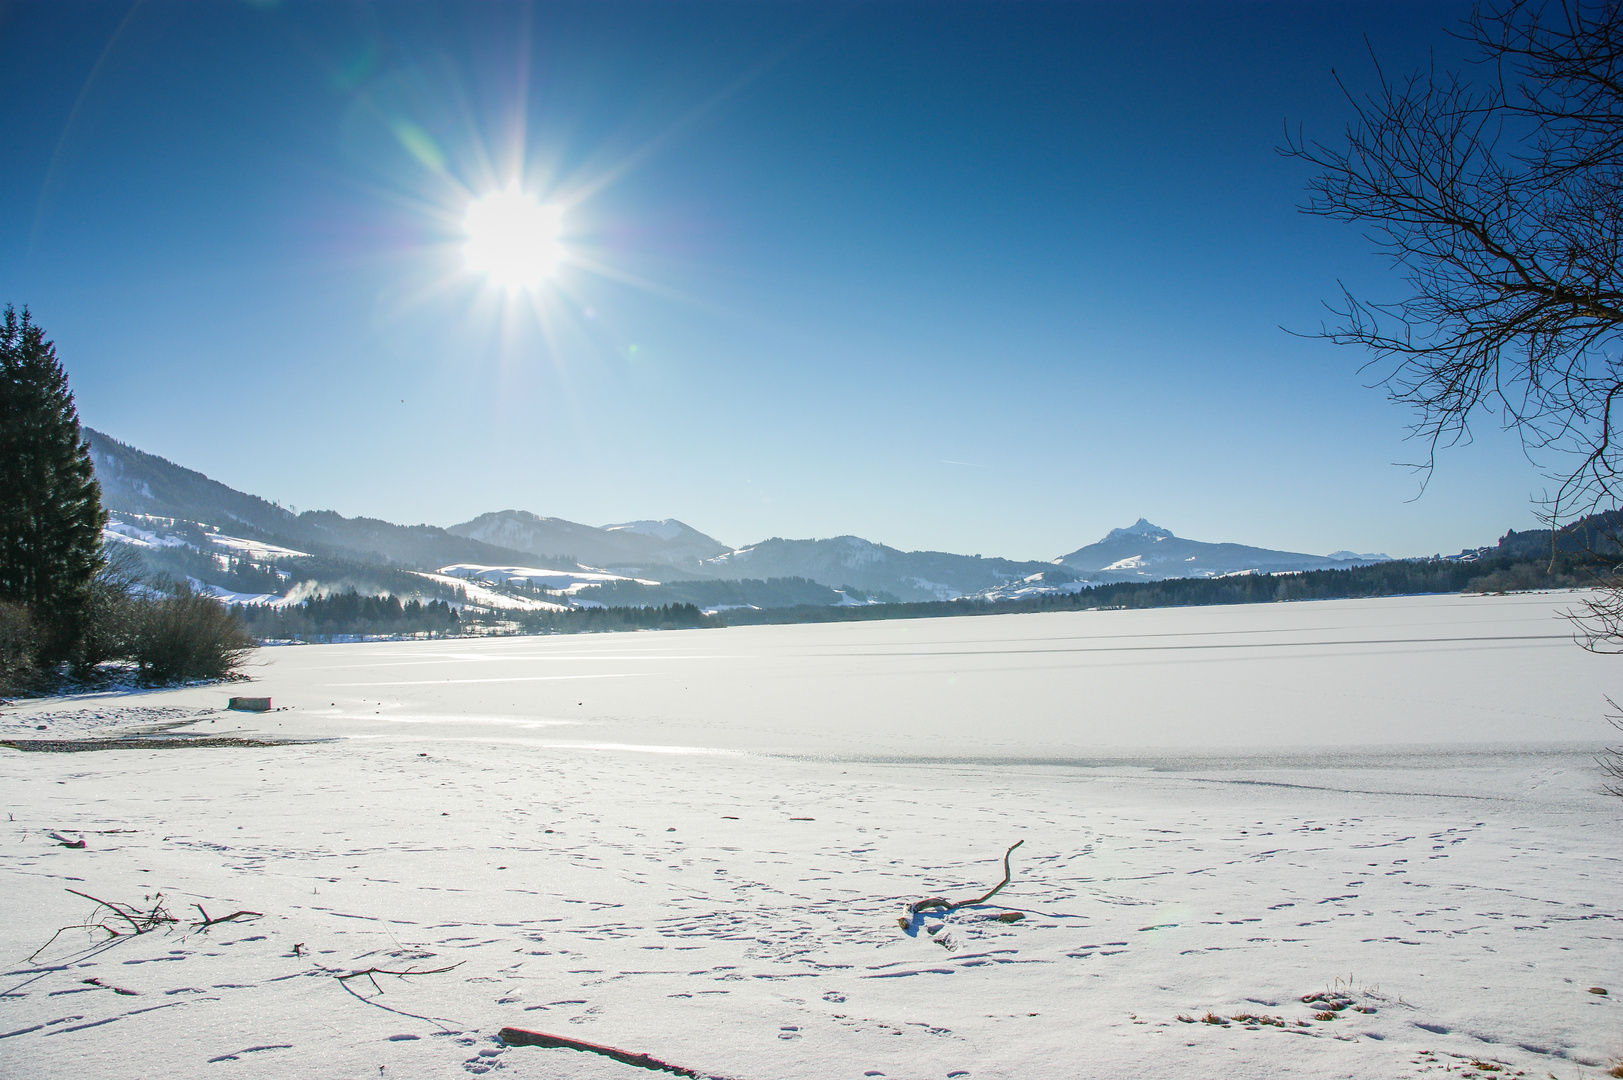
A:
50, 505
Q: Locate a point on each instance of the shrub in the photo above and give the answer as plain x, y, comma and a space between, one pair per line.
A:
186, 636
110, 612
17, 647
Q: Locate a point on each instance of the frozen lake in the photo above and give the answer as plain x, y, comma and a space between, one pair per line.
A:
698, 844
1390, 672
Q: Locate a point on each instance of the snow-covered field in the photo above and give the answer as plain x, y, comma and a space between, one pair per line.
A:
701, 845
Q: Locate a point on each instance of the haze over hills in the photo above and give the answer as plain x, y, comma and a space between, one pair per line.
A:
1143, 551
874, 568
136, 482
669, 551
635, 545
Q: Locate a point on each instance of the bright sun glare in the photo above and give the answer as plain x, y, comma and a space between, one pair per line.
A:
512, 239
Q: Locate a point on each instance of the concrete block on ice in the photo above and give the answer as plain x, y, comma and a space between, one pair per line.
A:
250, 704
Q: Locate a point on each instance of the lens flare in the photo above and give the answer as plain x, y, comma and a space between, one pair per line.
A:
512, 239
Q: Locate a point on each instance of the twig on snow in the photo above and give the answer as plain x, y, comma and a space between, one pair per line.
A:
140, 921
371, 971
947, 905
208, 922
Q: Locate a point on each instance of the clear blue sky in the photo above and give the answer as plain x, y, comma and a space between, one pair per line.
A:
981, 278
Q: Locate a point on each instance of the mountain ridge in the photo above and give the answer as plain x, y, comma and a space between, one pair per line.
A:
632, 545
1147, 552
134, 481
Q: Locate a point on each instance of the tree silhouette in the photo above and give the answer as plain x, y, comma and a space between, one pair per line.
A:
50, 505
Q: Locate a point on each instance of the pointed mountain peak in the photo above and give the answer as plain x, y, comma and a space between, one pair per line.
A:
1141, 527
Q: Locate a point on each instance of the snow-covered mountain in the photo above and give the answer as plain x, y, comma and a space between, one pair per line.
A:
135, 482
873, 568
1143, 551
666, 550
634, 544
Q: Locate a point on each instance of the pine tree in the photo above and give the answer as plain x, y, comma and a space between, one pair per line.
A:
50, 505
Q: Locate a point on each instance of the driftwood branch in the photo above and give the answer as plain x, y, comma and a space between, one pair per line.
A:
208, 922
371, 971
938, 903
520, 1037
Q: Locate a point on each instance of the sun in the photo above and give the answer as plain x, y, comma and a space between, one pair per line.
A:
512, 239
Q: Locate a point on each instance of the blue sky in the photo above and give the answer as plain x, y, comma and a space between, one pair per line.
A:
982, 278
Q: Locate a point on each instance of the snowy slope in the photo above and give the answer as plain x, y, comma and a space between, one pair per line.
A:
558, 580
144, 484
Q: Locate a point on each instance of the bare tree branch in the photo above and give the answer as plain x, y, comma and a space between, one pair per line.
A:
1501, 202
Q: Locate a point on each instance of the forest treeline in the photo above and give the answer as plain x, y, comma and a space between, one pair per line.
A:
1564, 570
347, 613
350, 612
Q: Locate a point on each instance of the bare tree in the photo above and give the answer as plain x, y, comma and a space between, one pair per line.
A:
1498, 192
1501, 199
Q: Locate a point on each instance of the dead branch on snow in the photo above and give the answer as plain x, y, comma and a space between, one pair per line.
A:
371, 971
521, 1037
140, 922
208, 922
940, 904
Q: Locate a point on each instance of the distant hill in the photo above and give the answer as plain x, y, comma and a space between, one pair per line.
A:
1146, 552
874, 568
635, 545
140, 483
1598, 534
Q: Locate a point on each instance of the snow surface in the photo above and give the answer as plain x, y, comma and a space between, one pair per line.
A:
257, 550
124, 533
484, 596
226, 596
557, 580
698, 844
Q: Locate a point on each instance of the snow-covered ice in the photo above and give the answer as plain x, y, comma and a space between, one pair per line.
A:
701, 845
